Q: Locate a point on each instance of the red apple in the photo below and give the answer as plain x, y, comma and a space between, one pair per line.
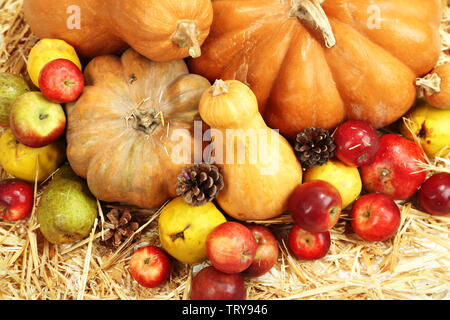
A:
266, 251
231, 247
315, 206
61, 80
16, 199
395, 171
308, 245
212, 284
150, 266
375, 217
36, 121
434, 195
356, 143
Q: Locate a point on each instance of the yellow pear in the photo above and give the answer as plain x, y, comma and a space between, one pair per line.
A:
431, 126
183, 229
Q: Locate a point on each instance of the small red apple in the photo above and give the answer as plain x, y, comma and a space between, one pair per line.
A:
308, 245
36, 121
150, 266
231, 247
16, 199
315, 206
375, 217
395, 170
212, 284
61, 81
434, 195
356, 143
266, 252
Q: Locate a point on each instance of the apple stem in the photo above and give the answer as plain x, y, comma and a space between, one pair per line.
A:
385, 173
43, 116
148, 260
334, 211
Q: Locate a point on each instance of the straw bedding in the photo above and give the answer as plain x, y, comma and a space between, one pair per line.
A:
415, 264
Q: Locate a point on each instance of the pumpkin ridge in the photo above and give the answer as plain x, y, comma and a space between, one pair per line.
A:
259, 42
254, 27
369, 111
239, 54
365, 36
275, 116
263, 108
364, 31
264, 16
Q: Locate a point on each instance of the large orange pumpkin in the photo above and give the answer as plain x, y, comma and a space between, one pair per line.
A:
317, 63
161, 30
131, 131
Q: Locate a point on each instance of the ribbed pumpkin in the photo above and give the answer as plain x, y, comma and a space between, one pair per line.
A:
161, 30
133, 124
315, 63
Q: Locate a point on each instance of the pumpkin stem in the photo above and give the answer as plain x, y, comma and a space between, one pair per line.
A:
220, 87
311, 12
431, 83
186, 35
146, 120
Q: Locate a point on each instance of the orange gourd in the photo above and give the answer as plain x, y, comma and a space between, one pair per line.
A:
436, 86
259, 167
132, 130
161, 30
316, 63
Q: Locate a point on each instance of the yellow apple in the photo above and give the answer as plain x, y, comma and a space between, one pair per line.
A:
345, 179
431, 126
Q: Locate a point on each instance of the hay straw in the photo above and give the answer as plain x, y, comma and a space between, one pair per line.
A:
414, 264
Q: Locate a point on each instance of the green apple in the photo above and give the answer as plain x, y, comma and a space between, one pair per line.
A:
36, 121
11, 87
431, 126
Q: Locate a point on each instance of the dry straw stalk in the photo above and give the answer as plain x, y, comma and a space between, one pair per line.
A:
412, 265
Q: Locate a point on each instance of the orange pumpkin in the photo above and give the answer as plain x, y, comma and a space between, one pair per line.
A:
131, 131
317, 63
161, 30
436, 86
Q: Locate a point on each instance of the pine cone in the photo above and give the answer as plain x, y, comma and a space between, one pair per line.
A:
314, 146
199, 183
121, 226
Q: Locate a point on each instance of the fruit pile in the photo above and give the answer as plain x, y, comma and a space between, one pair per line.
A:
345, 149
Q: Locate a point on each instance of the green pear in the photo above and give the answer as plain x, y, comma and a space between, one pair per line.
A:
67, 209
11, 87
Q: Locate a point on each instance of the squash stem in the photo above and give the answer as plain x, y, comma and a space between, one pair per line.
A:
431, 83
186, 35
220, 87
311, 12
